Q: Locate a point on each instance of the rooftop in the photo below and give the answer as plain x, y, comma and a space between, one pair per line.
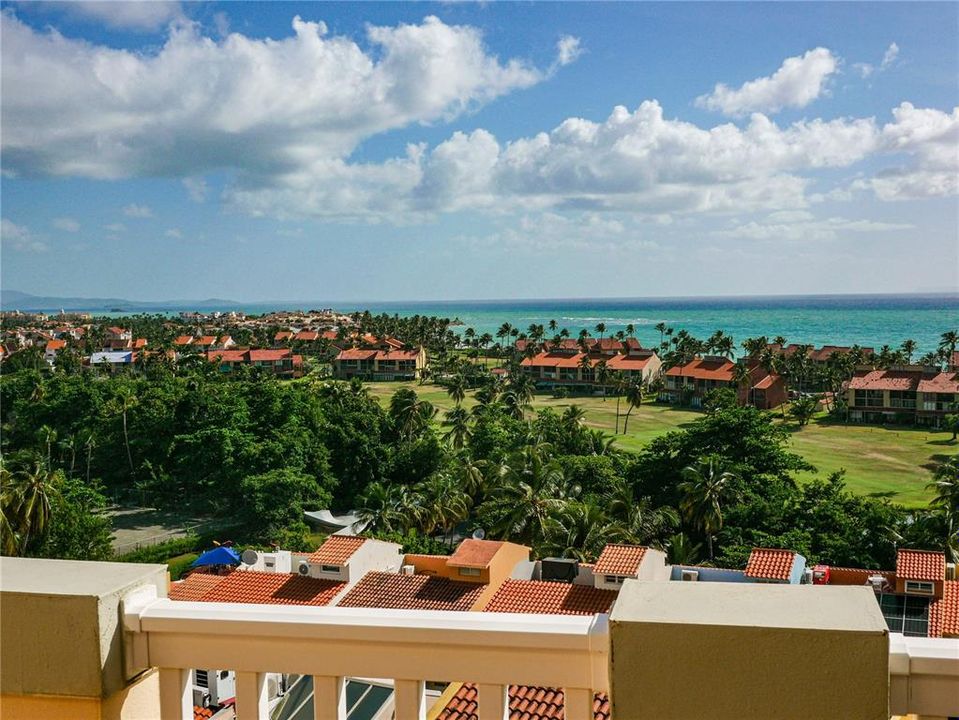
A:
770, 564
921, 565
336, 549
619, 560
474, 553
412, 592
551, 598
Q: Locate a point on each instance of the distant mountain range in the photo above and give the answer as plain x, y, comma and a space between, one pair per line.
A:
16, 300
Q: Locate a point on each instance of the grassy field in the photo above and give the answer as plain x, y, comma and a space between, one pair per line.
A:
887, 462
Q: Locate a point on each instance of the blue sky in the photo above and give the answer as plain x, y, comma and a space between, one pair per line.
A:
457, 150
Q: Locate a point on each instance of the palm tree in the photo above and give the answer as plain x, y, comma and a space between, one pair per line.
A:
532, 488
122, 405
947, 345
908, 347
630, 329
573, 418
552, 326
27, 504
585, 366
376, 507
705, 486
411, 415
661, 327
601, 329
742, 377
456, 388
946, 486
577, 530
602, 376
48, 436
457, 420
635, 394
636, 521
682, 550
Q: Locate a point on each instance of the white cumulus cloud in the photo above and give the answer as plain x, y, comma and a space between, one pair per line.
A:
138, 211
568, 49
19, 238
263, 107
797, 82
67, 224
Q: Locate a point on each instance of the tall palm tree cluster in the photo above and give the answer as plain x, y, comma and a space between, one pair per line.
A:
527, 494
25, 505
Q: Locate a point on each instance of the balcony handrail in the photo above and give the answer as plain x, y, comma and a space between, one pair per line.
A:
923, 676
410, 647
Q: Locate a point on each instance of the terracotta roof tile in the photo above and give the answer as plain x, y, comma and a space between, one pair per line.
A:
886, 380
705, 369
247, 586
474, 553
194, 586
770, 564
551, 598
921, 565
412, 592
525, 703
947, 382
619, 560
944, 612
356, 354
336, 549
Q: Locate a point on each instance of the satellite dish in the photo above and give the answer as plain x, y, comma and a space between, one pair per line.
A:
479, 534
249, 557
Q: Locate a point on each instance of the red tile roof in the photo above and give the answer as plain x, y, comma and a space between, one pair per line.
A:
205, 340
307, 336
626, 362
194, 586
412, 592
886, 380
944, 613
336, 550
55, 345
267, 355
770, 564
619, 560
474, 553
551, 598
227, 356
556, 360
282, 335
356, 354
925, 565
705, 369
247, 586
525, 703
947, 382
201, 713
183, 340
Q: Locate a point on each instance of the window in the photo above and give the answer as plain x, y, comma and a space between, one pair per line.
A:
471, 572
615, 579
330, 568
904, 614
920, 588
202, 679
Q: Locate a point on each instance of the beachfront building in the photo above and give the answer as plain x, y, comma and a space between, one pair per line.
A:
906, 395
688, 383
279, 361
575, 364
380, 359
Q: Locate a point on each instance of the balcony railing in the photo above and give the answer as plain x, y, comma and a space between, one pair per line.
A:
412, 648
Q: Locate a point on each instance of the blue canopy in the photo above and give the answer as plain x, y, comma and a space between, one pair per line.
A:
217, 556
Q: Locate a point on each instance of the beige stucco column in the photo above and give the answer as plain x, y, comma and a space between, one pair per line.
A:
61, 640
747, 651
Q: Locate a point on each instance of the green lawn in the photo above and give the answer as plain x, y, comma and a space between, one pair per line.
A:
893, 462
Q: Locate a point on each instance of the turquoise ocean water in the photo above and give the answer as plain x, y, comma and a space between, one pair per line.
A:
867, 320
870, 321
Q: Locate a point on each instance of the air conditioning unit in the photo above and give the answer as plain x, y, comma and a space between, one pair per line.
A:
407, 570
559, 569
303, 567
807, 576
690, 575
